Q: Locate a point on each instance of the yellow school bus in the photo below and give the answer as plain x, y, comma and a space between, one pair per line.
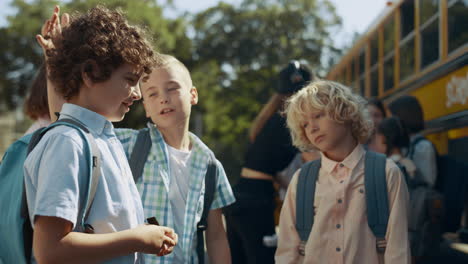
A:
417, 47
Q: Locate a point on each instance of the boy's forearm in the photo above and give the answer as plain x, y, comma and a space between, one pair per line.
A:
84, 248
216, 240
218, 250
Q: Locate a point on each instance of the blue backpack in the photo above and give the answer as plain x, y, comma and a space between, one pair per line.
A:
15, 226
376, 199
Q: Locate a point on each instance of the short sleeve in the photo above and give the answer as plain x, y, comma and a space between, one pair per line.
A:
53, 177
425, 159
223, 195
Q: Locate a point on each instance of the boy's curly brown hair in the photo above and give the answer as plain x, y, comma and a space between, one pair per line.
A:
96, 43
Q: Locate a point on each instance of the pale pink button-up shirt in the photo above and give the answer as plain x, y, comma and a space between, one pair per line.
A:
340, 233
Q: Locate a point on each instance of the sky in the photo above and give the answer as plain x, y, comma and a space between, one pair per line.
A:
355, 19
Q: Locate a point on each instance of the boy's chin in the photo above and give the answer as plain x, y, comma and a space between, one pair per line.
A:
116, 118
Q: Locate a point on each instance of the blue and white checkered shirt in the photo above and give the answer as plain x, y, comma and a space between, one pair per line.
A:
154, 187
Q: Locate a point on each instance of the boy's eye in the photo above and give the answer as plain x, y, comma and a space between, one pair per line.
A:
305, 125
173, 88
131, 81
152, 95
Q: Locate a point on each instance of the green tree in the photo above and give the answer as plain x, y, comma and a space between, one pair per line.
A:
21, 55
250, 43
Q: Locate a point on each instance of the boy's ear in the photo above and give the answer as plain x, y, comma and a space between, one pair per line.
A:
194, 94
88, 71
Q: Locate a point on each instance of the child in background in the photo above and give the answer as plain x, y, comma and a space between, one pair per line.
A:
377, 113
420, 150
327, 116
391, 139
36, 106
99, 83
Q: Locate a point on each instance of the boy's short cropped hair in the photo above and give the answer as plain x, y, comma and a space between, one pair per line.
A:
338, 102
96, 43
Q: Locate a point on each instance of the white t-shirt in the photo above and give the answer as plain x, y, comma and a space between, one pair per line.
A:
178, 191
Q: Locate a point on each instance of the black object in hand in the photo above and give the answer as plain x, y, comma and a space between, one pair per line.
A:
152, 221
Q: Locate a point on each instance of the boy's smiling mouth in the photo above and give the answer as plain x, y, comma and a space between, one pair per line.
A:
166, 110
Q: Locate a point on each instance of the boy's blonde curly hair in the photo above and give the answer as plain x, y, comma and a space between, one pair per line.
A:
339, 103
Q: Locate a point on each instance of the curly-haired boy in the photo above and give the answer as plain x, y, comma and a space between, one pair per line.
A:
327, 116
96, 63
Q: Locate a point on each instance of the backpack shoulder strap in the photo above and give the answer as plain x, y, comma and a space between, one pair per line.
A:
305, 195
94, 159
140, 153
210, 187
375, 182
412, 146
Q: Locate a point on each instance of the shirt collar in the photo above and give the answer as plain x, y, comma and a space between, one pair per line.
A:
92, 120
197, 144
396, 157
349, 162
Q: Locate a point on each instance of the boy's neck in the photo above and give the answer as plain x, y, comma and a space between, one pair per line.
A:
395, 151
177, 137
342, 150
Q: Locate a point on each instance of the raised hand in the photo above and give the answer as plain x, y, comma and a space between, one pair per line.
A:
51, 29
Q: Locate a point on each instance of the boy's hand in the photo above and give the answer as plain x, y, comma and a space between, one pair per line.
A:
157, 240
51, 29
168, 248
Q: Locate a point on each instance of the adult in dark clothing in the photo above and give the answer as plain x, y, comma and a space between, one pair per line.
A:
270, 151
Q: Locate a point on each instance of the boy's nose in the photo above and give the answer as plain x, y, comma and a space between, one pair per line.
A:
164, 99
314, 129
136, 92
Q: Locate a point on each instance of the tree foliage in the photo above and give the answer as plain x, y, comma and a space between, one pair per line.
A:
233, 52
250, 43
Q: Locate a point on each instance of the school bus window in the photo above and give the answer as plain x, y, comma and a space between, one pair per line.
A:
406, 58
428, 8
362, 86
362, 61
374, 89
457, 23
430, 43
407, 18
389, 35
374, 49
388, 69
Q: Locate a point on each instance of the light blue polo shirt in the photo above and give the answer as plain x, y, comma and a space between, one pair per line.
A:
55, 173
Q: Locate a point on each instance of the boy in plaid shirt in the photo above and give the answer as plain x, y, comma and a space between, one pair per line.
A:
172, 184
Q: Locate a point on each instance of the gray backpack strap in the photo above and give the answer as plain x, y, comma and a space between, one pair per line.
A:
210, 187
375, 182
305, 194
94, 181
140, 154
95, 173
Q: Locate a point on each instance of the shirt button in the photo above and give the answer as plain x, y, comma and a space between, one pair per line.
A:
338, 249
340, 201
338, 226
341, 165
341, 181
